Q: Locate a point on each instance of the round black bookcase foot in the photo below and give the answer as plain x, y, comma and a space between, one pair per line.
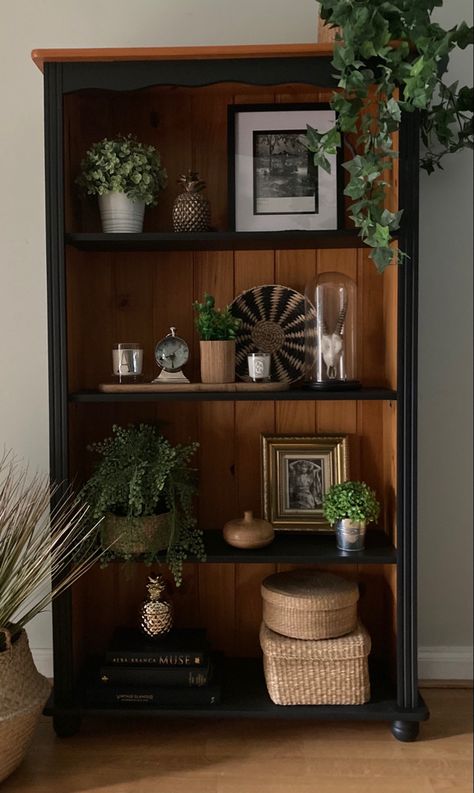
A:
66, 724
405, 731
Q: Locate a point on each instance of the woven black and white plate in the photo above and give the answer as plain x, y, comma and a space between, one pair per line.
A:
273, 320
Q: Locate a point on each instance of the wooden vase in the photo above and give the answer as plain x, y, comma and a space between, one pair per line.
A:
248, 532
218, 361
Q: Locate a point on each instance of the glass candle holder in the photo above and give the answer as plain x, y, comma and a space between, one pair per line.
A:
259, 366
127, 361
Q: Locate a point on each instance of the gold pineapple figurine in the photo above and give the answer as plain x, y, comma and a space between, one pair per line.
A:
156, 613
191, 211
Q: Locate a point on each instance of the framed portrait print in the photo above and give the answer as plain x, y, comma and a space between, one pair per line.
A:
273, 183
297, 470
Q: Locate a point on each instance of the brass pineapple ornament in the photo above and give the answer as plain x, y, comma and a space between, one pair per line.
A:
156, 613
191, 210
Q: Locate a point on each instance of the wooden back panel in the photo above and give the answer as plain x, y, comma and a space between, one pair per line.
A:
136, 297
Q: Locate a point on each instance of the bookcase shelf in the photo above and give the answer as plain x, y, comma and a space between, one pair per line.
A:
301, 548
292, 395
215, 241
245, 695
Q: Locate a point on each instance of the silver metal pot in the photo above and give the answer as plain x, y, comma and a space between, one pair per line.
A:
350, 534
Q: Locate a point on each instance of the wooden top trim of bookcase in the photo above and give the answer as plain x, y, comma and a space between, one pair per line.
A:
106, 54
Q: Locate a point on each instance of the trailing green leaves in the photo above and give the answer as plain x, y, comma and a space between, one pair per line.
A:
390, 57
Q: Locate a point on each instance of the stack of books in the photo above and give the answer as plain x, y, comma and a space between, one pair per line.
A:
176, 670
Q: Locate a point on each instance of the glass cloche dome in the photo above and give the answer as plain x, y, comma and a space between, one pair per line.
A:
331, 332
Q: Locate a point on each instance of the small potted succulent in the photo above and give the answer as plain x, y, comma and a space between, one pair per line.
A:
143, 488
126, 175
217, 330
350, 505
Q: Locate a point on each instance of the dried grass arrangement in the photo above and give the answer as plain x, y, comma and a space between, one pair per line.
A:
41, 534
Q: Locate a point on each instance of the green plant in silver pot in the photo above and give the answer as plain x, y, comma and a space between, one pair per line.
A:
143, 487
126, 175
350, 505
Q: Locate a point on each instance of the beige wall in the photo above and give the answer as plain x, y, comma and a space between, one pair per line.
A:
445, 270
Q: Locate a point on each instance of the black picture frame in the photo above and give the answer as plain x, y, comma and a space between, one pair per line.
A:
291, 130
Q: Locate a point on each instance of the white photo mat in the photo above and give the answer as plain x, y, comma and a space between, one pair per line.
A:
254, 212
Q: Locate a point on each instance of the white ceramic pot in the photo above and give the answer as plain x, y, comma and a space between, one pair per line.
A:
120, 214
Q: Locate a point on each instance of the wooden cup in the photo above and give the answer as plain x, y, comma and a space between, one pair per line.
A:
217, 361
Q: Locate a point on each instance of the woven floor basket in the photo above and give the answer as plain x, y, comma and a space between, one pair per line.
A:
23, 693
323, 672
308, 604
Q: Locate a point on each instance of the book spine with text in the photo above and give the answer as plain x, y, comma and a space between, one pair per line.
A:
163, 660
171, 697
152, 676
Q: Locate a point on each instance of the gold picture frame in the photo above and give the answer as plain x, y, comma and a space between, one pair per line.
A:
296, 472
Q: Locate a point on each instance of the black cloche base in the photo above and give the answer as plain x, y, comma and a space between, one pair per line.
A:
335, 385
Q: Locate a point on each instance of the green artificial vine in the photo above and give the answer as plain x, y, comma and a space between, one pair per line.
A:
389, 58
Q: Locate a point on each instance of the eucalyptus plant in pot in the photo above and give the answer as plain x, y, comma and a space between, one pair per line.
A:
143, 488
126, 175
390, 58
38, 545
350, 505
217, 330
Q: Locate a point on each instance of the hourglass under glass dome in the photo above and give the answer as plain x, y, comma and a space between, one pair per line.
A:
330, 332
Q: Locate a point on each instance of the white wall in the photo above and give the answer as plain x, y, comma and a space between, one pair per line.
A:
445, 269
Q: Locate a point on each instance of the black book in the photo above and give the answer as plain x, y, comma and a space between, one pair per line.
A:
156, 696
180, 647
165, 677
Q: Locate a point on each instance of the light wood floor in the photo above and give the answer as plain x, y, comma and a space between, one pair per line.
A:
143, 756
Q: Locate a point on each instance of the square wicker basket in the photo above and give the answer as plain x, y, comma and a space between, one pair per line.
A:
319, 672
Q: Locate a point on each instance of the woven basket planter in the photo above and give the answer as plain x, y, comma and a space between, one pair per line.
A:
135, 536
308, 604
324, 672
23, 693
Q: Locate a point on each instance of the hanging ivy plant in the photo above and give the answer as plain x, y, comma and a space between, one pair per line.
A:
389, 58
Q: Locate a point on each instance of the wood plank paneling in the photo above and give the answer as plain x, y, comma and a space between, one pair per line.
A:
139, 296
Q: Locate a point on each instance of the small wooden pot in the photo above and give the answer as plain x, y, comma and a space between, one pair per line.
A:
248, 532
217, 361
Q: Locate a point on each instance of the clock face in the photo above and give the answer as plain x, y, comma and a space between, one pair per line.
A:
171, 353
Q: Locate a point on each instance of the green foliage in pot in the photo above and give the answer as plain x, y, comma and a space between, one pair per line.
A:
215, 324
37, 545
141, 473
123, 165
353, 500
389, 58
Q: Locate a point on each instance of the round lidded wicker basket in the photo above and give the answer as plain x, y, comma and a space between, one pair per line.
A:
23, 693
308, 604
324, 672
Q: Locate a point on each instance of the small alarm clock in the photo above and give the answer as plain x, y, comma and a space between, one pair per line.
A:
171, 354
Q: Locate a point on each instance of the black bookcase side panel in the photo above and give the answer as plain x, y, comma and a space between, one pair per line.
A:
57, 349
129, 76
407, 415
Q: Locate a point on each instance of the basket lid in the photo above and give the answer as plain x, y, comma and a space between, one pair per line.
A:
356, 644
309, 588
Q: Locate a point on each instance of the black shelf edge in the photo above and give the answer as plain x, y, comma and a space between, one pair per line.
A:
294, 394
215, 240
245, 695
301, 548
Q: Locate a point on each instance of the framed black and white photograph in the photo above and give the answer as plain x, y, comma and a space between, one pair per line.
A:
273, 182
297, 470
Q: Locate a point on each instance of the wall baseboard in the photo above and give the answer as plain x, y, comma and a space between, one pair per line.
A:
445, 663
434, 663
